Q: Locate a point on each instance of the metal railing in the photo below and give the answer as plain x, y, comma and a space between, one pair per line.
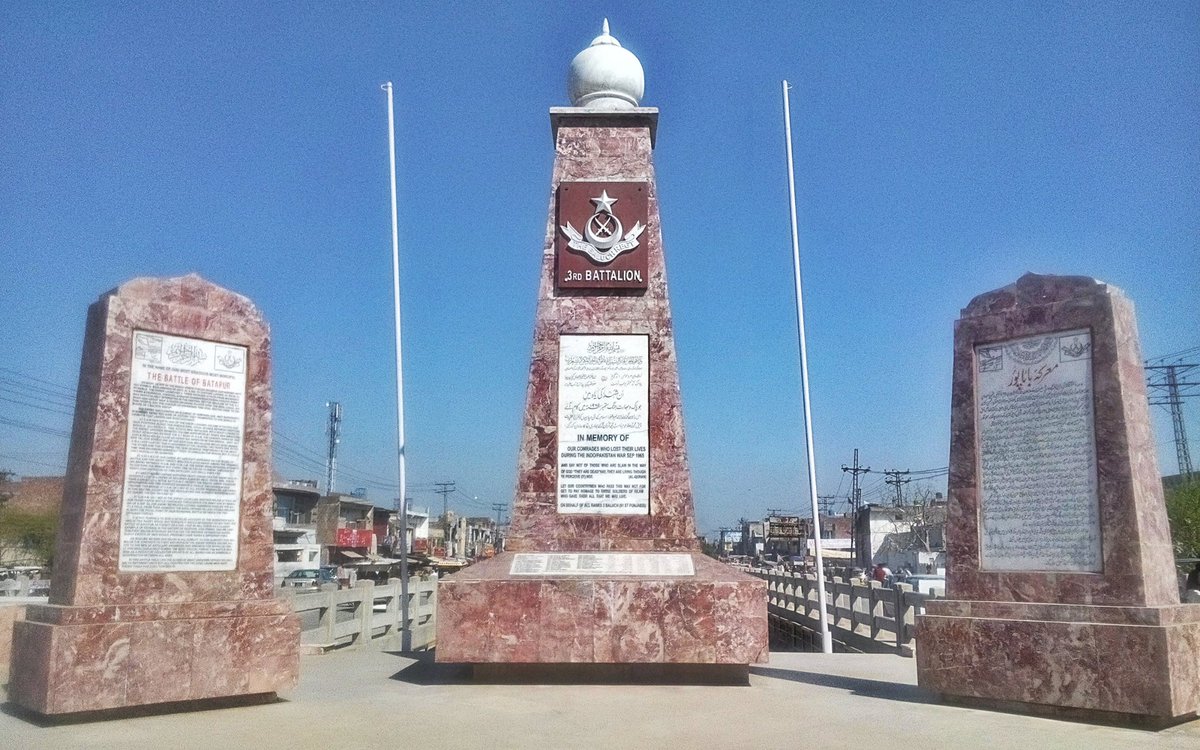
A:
863, 616
366, 616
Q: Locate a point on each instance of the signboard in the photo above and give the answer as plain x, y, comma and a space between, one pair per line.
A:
600, 232
182, 493
601, 563
779, 527
355, 538
604, 424
1039, 507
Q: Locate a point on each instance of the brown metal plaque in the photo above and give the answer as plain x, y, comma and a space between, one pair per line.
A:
601, 235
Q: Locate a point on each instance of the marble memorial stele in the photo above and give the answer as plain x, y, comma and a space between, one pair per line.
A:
602, 571
1061, 583
163, 572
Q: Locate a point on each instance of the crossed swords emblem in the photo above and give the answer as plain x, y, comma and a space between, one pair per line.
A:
601, 239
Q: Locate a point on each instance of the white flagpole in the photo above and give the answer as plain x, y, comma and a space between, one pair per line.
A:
406, 633
826, 639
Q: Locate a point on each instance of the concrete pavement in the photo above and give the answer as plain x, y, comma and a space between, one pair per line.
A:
369, 699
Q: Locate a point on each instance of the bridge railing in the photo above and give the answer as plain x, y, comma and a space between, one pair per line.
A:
864, 616
367, 615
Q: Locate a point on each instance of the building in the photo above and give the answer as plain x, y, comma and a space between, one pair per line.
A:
752, 540
475, 537
294, 526
782, 535
837, 534
37, 495
388, 531
470, 538
345, 528
917, 535
729, 542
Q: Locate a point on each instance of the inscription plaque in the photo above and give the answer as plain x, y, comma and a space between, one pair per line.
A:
181, 499
603, 424
1039, 508
601, 563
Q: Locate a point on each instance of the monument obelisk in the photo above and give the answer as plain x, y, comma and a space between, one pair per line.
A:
603, 564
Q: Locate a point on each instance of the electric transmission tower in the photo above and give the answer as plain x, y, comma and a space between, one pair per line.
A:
1168, 386
893, 478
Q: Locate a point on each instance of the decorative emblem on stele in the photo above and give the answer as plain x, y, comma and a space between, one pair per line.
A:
603, 237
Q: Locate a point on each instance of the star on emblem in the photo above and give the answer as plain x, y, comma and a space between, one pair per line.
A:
604, 202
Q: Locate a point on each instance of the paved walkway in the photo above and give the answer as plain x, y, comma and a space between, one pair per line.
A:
369, 699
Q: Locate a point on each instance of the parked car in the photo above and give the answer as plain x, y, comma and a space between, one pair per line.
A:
310, 578
928, 584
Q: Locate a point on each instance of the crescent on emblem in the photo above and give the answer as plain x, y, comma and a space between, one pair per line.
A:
605, 243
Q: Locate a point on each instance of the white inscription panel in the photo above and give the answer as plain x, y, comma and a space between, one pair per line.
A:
604, 424
1039, 508
183, 460
601, 563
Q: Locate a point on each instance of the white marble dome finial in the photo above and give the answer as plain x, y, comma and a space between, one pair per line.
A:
605, 76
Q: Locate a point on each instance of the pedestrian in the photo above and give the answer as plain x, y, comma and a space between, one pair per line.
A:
878, 574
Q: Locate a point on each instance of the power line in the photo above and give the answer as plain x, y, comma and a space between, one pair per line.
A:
1181, 353
37, 406
58, 467
34, 427
66, 390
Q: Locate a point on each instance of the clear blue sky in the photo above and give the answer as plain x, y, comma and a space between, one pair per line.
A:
942, 149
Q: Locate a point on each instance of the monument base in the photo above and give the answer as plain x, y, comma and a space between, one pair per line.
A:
487, 615
612, 674
76, 660
1126, 665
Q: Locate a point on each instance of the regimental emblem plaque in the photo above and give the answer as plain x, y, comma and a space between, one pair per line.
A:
601, 235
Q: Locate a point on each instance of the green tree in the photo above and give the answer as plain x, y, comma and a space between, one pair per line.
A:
1183, 513
5, 495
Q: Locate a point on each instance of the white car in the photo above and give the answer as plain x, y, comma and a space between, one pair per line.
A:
928, 584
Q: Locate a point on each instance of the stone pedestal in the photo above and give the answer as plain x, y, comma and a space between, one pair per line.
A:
603, 466
163, 576
1061, 583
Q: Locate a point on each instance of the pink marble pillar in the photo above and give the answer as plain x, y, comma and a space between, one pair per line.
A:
1102, 634
715, 616
114, 638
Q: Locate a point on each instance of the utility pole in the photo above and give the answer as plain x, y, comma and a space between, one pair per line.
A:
893, 478
335, 431
499, 508
826, 503
1167, 392
855, 502
444, 489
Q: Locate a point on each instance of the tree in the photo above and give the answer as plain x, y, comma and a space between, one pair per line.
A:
1183, 513
25, 538
5, 495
